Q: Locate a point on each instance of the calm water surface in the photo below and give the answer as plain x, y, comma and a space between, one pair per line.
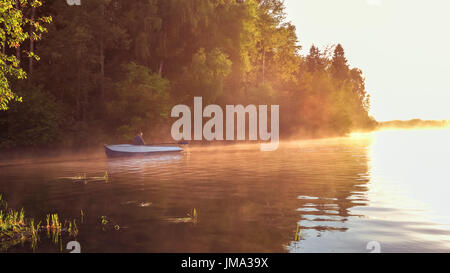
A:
392, 187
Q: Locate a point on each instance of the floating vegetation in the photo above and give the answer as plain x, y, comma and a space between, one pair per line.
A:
85, 179
101, 178
106, 177
108, 224
139, 204
80, 177
191, 218
104, 220
82, 216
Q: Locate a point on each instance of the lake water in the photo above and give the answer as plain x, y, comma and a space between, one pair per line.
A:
390, 188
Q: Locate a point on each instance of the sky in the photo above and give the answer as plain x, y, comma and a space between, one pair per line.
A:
402, 47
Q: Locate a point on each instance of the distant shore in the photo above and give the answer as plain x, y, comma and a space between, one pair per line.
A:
414, 123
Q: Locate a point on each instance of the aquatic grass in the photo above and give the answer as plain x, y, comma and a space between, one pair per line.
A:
34, 230
10, 220
21, 217
13, 227
56, 224
192, 217
16, 228
298, 233
53, 221
74, 230
72, 227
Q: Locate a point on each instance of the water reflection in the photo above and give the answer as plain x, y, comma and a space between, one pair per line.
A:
409, 171
338, 185
331, 195
141, 164
401, 201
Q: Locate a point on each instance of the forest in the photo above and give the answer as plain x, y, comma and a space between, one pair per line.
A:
83, 75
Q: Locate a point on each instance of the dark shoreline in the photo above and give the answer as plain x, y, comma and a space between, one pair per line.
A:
28, 155
24, 155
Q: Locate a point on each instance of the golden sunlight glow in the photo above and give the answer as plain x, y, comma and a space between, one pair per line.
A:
405, 60
411, 175
410, 182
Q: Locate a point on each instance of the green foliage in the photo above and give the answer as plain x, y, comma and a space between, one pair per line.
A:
339, 66
262, 93
140, 100
35, 122
13, 33
332, 97
117, 66
205, 75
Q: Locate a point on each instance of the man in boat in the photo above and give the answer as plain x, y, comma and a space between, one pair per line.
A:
138, 140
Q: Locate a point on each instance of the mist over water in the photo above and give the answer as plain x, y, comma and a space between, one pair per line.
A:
387, 186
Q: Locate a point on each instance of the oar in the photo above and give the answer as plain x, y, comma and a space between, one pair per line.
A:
170, 143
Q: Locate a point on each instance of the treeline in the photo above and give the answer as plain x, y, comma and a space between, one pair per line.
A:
110, 67
414, 123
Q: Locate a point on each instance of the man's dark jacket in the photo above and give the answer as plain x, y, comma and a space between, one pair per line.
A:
138, 140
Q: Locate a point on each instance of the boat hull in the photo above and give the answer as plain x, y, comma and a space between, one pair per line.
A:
126, 150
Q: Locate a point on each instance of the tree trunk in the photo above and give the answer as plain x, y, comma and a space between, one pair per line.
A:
165, 8
102, 70
78, 88
30, 64
18, 52
263, 64
161, 66
18, 48
161, 63
102, 58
